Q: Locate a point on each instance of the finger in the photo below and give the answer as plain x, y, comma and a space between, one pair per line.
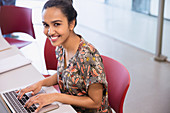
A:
17, 91
21, 93
17, 94
35, 91
29, 103
26, 104
32, 93
39, 107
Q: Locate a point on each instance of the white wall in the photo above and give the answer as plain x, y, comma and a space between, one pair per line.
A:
154, 8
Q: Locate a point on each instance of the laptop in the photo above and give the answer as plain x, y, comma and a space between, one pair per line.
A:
10, 104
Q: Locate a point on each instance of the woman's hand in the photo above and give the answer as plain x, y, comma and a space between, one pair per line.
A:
35, 88
41, 100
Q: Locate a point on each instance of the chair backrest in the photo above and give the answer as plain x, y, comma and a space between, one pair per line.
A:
50, 56
16, 19
118, 79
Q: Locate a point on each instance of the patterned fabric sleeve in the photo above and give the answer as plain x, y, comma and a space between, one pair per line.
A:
95, 70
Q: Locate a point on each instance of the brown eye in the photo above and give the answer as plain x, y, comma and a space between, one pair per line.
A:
57, 24
45, 25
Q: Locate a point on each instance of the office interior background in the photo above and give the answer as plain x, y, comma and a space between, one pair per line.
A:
125, 30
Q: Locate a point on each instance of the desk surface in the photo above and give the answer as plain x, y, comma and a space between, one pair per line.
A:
24, 76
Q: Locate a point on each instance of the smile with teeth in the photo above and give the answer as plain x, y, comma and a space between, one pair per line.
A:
54, 38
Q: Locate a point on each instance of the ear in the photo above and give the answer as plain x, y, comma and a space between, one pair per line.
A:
72, 25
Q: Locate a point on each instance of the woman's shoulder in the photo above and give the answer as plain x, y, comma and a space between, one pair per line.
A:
87, 47
88, 51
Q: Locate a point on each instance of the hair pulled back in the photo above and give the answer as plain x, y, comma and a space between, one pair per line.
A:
65, 6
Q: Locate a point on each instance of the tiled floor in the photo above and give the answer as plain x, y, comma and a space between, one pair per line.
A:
103, 26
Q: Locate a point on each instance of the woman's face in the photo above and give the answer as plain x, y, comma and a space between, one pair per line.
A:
56, 26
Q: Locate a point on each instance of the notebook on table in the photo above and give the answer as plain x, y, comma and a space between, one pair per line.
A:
10, 104
13, 62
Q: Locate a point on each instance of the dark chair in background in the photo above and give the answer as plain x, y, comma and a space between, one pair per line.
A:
16, 19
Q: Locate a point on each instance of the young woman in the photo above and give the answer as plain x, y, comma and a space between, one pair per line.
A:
80, 74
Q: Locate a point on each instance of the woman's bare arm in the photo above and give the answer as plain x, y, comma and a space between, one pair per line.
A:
49, 81
93, 100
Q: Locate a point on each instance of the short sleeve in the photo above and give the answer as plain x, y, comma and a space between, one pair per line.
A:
95, 70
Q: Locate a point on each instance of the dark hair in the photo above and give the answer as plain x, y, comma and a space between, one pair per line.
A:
66, 8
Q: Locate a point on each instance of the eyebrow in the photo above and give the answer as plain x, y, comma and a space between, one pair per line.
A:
52, 21
44, 22
56, 21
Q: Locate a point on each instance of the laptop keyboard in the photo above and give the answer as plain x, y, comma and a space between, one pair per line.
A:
18, 105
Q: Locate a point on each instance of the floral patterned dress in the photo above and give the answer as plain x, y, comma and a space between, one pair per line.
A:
84, 68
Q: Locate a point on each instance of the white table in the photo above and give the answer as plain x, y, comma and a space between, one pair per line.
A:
24, 76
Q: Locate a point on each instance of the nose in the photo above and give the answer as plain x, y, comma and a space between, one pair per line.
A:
51, 31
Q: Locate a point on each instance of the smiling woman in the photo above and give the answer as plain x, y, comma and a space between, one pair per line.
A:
80, 73
56, 26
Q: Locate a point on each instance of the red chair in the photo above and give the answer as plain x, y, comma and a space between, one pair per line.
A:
118, 79
50, 59
16, 19
50, 56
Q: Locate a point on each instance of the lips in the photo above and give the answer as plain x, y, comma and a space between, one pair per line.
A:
54, 38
